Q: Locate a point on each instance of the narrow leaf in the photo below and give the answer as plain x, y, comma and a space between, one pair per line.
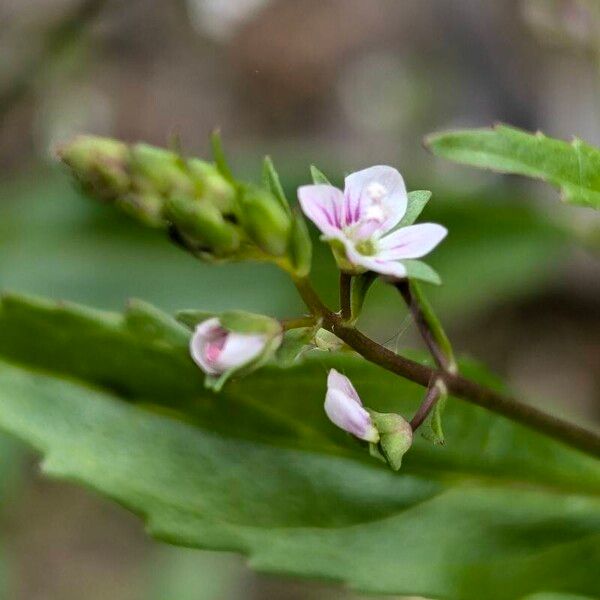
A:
417, 201
318, 176
272, 183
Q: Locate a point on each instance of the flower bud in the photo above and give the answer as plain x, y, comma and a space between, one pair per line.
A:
265, 221
235, 342
327, 341
100, 165
203, 223
395, 437
344, 408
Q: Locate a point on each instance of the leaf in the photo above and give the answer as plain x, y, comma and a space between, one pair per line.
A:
258, 469
273, 184
416, 269
216, 143
417, 200
574, 167
190, 318
318, 177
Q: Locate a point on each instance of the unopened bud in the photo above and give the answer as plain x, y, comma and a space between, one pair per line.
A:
159, 170
395, 437
265, 221
100, 165
203, 223
233, 343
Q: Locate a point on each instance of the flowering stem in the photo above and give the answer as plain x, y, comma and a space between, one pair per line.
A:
345, 296
568, 433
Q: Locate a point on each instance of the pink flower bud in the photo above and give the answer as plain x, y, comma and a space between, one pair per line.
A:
216, 350
344, 408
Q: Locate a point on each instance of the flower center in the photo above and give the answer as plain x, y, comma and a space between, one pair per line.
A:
366, 247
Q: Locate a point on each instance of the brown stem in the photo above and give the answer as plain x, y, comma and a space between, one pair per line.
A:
572, 435
345, 296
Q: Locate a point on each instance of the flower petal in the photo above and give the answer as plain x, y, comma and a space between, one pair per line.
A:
337, 381
240, 349
344, 409
323, 205
414, 241
380, 186
203, 334
374, 263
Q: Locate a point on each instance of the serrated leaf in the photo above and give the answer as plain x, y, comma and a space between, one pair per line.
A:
417, 200
318, 177
574, 167
421, 271
259, 469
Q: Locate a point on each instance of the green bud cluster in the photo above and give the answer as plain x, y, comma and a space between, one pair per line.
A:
214, 217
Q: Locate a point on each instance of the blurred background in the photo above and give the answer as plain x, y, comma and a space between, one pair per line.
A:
343, 84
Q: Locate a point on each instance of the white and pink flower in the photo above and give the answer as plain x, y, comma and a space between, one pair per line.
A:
360, 222
217, 350
344, 408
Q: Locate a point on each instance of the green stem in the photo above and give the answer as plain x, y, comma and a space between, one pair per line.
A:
568, 433
298, 322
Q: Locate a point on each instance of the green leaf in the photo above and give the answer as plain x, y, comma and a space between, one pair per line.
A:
574, 167
245, 322
417, 200
260, 470
216, 143
417, 269
273, 184
318, 177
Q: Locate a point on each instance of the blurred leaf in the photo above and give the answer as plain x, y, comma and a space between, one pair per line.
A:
55, 242
574, 168
501, 508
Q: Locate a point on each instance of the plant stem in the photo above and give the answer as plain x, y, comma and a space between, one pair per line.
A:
345, 296
570, 434
298, 322
431, 397
429, 326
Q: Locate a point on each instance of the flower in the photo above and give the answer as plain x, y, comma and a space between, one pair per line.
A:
217, 350
360, 222
344, 408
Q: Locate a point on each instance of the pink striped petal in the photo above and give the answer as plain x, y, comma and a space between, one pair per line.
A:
377, 192
324, 206
414, 241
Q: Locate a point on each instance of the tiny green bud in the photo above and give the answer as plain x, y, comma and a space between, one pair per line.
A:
212, 186
395, 437
100, 164
145, 207
265, 221
160, 170
203, 223
325, 340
